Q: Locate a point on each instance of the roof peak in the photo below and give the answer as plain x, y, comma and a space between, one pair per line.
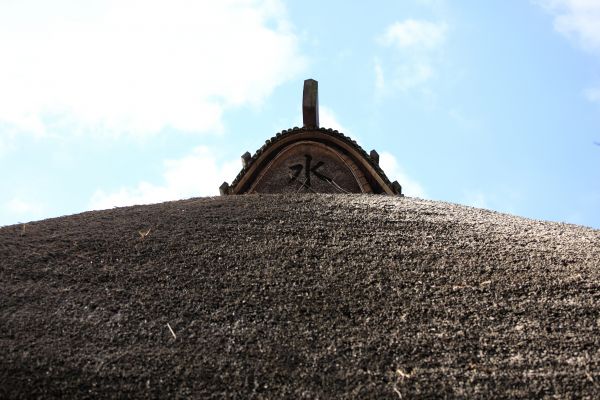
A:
311, 159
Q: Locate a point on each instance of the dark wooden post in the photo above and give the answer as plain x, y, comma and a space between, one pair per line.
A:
224, 189
374, 156
310, 104
397, 188
246, 157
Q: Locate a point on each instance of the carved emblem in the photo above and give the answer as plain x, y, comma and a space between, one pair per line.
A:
308, 170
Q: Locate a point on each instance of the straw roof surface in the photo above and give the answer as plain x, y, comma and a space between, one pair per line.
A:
299, 296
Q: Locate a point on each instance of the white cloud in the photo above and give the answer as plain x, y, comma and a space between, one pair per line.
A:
415, 46
137, 67
577, 19
199, 173
413, 33
394, 171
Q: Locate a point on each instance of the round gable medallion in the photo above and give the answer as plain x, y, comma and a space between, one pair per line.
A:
309, 166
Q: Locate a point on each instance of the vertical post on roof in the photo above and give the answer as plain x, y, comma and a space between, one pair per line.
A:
310, 104
224, 189
374, 156
397, 188
246, 157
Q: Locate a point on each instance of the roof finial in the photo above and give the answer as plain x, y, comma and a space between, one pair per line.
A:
310, 104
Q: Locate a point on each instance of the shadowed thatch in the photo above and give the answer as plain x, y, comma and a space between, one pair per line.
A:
315, 296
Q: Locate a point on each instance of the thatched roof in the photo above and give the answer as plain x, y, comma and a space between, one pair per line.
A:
310, 296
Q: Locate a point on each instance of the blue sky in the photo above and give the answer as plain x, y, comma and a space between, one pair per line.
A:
112, 103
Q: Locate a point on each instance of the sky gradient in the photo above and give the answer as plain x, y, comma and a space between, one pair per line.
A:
113, 103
